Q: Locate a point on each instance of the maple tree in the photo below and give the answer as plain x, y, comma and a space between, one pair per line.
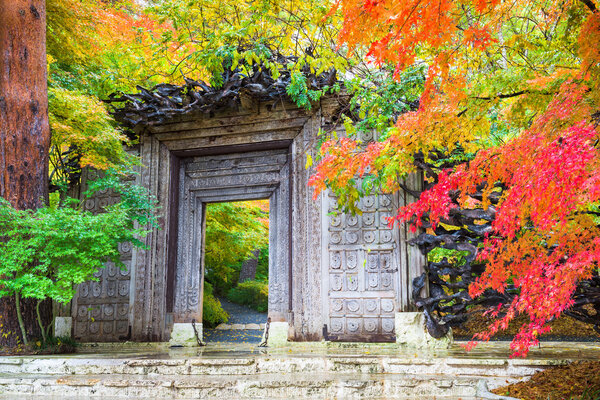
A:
506, 123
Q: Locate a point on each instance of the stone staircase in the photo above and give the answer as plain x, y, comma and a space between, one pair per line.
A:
256, 376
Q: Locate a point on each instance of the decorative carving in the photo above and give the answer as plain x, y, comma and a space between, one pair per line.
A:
370, 325
353, 325
366, 241
336, 260
351, 259
104, 304
353, 306
371, 305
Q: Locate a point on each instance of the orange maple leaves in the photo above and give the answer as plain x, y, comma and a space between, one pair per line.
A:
544, 239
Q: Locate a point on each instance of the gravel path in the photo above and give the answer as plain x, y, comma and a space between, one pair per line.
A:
237, 315
241, 314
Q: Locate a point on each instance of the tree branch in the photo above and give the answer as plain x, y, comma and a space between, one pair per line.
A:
590, 4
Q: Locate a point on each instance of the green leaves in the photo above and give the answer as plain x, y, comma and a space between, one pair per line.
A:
46, 252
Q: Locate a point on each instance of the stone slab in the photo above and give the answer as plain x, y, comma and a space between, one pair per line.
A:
411, 332
183, 334
63, 327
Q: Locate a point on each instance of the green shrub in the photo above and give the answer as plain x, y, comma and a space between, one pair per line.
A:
212, 311
262, 269
46, 253
251, 293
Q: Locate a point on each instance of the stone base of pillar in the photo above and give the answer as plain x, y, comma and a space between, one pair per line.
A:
183, 334
278, 334
411, 332
63, 327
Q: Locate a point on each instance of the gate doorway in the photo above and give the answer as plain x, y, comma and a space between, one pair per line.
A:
236, 272
230, 177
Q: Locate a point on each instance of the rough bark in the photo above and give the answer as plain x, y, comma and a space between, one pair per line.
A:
24, 128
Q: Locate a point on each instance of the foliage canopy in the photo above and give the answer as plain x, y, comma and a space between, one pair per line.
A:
514, 87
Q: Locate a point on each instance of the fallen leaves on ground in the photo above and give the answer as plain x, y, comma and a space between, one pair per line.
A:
575, 381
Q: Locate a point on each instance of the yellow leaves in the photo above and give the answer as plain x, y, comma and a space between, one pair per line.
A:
82, 122
309, 161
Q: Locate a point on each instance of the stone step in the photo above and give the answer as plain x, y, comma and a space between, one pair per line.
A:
252, 365
257, 386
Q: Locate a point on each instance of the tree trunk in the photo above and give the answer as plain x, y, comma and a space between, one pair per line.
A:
24, 128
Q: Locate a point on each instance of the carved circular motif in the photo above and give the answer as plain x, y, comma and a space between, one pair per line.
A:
368, 219
96, 289
366, 136
83, 290
373, 261
335, 220
352, 220
386, 280
94, 327
108, 310
337, 305
369, 201
351, 237
353, 326
82, 311
373, 280
387, 305
112, 269
384, 200
336, 282
353, 306
107, 328
336, 326
111, 288
123, 288
384, 219
370, 325
122, 326
336, 260
351, 259
103, 202
352, 282
335, 238
386, 261
125, 247
385, 236
387, 325
89, 204
96, 312
122, 310
371, 305
369, 236
98, 274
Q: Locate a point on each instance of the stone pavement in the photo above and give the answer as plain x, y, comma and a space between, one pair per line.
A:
302, 370
245, 325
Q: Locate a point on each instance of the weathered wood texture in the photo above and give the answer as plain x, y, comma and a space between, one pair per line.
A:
349, 275
24, 129
101, 309
248, 88
221, 178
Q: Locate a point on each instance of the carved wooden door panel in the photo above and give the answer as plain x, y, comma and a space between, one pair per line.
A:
100, 309
362, 272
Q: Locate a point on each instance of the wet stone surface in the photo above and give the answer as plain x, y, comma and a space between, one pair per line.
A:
245, 326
